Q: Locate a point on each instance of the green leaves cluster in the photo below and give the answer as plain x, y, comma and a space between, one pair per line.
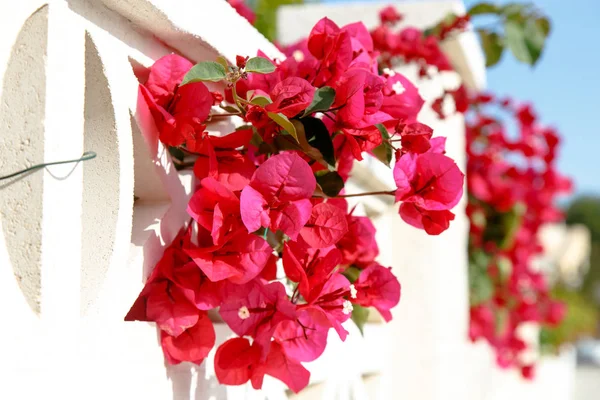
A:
524, 32
211, 71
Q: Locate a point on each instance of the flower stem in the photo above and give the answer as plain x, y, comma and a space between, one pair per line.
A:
189, 152
235, 98
223, 115
388, 192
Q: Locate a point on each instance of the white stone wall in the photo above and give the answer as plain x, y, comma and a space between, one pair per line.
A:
74, 246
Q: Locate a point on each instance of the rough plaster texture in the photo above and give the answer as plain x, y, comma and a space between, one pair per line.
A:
100, 178
91, 260
22, 144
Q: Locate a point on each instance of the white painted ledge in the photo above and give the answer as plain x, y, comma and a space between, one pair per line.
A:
195, 27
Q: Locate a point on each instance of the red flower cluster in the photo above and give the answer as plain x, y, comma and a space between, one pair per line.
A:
271, 244
423, 48
410, 44
513, 183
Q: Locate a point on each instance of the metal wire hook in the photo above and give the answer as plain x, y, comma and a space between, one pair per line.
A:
88, 155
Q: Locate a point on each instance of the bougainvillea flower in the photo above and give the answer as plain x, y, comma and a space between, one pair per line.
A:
239, 260
461, 99
432, 181
178, 111
556, 313
415, 137
359, 97
354, 142
256, 309
308, 267
217, 209
278, 195
230, 167
359, 246
333, 303
358, 32
303, 339
177, 126
528, 372
169, 308
291, 96
191, 345
173, 278
325, 227
165, 76
234, 361
269, 272
237, 361
401, 99
207, 144
279, 365
377, 287
257, 116
526, 115
433, 222
332, 48
389, 15
362, 47
438, 145
219, 159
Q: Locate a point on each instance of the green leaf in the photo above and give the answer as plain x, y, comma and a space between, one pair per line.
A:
384, 151
260, 101
513, 9
383, 130
483, 8
501, 318
511, 222
481, 287
505, 267
318, 137
230, 109
322, 101
359, 316
352, 273
492, 46
221, 60
256, 138
535, 37
515, 39
176, 153
284, 122
259, 65
205, 71
330, 181
544, 25
301, 138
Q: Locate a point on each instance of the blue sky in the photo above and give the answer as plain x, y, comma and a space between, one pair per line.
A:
564, 86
